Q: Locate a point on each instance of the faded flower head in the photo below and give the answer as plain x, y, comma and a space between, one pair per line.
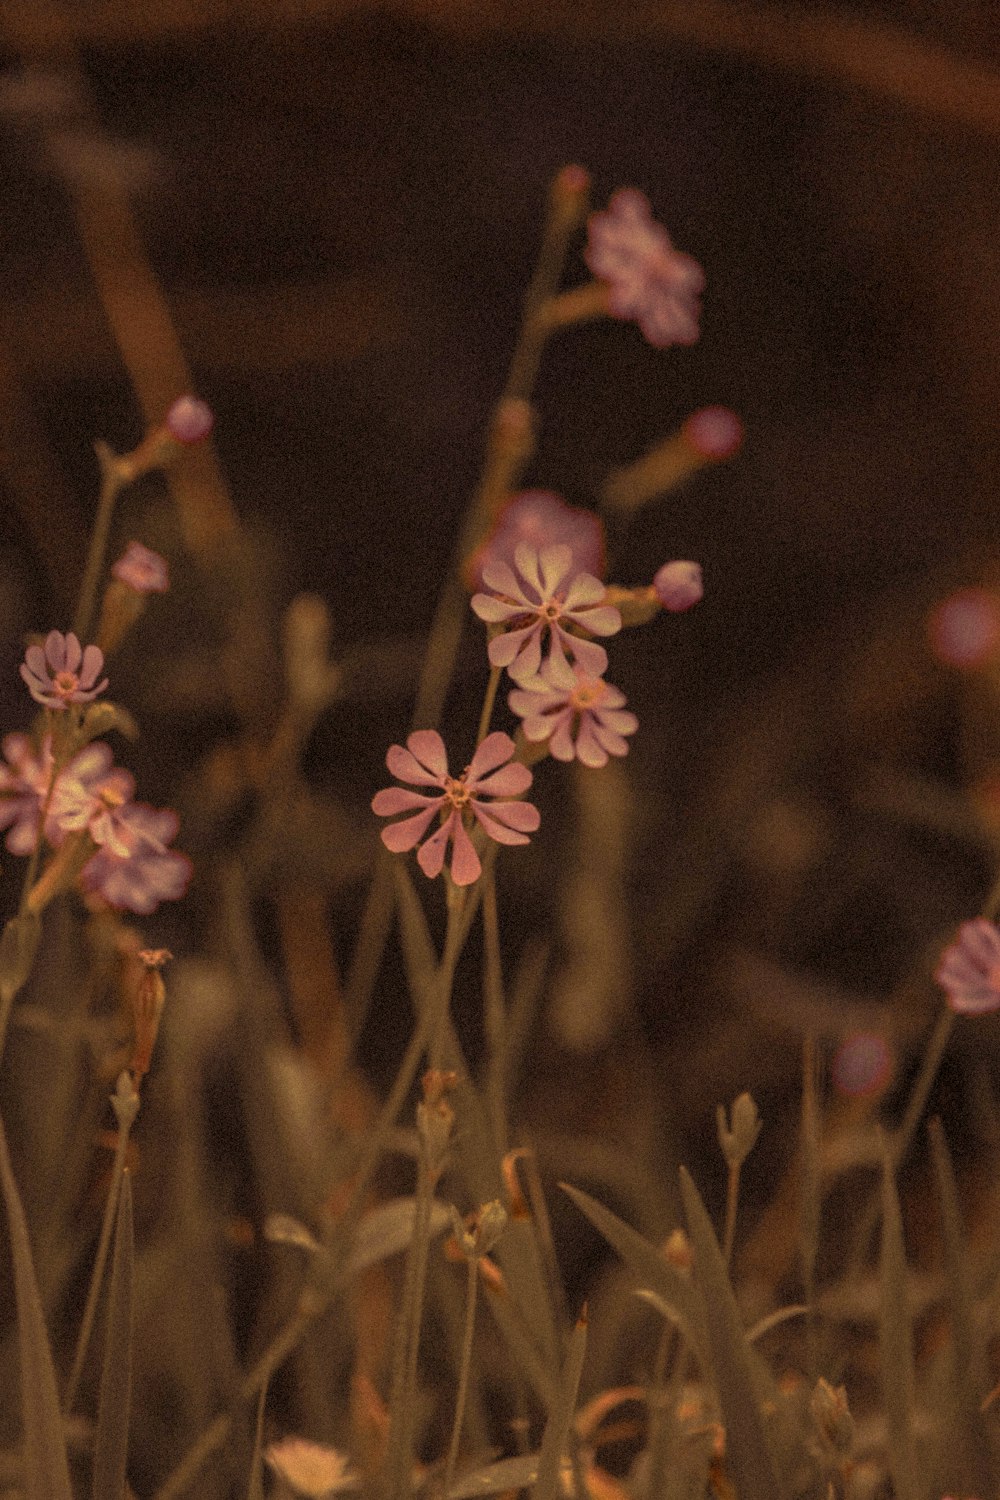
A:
678, 586
544, 592
483, 792
147, 872
969, 971
189, 420
24, 782
63, 672
540, 519
648, 280
311, 1469
142, 570
580, 714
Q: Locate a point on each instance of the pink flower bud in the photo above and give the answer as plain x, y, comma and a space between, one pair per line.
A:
143, 571
715, 433
189, 420
862, 1064
678, 586
964, 630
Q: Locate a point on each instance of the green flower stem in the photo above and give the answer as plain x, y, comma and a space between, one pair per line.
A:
402, 1400
732, 1203
126, 1118
494, 1011
112, 483
488, 701
465, 1367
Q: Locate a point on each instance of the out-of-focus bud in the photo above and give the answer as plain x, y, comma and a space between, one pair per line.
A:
709, 436
570, 190
963, 630
833, 1420
125, 1101
678, 586
738, 1138
189, 420
677, 1250
312, 678
478, 1238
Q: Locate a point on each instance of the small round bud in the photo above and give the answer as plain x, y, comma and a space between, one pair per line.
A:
737, 1139
862, 1065
678, 586
715, 433
677, 1250
189, 420
964, 630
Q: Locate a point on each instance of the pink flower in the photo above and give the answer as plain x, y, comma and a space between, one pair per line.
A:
487, 776
678, 586
62, 673
24, 784
548, 593
964, 629
310, 1468
649, 280
541, 519
147, 872
189, 420
969, 971
580, 715
714, 432
94, 794
141, 570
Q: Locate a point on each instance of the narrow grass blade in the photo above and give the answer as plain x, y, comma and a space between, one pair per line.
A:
550, 1455
255, 1489
749, 1461
111, 1437
970, 1459
676, 1294
896, 1341
46, 1473
521, 1342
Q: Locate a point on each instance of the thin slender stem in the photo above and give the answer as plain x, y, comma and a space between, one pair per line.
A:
111, 486
494, 1011
399, 1449
463, 1373
732, 1203
489, 700
100, 1260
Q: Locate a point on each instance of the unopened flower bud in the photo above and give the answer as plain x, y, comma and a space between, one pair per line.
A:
142, 570
312, 678
125, 1101
148, 1000
189, 420
715, 433
570, 189
833, 1420
678, 586
737, 1139
486, 1228
677, 1250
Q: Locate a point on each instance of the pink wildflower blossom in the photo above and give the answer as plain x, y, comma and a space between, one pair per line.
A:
580, 715
714, 432
148, 872
62, 672
542, 520
964, 629
94, 794
487, 776
969, 971
678, 586
649, 281
548, 596
24, 784
143, 571
189, 420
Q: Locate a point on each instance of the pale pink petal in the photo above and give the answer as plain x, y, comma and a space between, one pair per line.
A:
495, 749
591, 657
495, 611
504, 648
35, 661
62, 651
584, 591
501, 577
522, 816
604, 620
529, 658
526, 561
561, 741
529, 700
401, 836
465, 865
608, 738
589, 750
620, 721
428, 747
93, 661
406, 766
396, 799
511, 781
554, 562
537, 729
430, 855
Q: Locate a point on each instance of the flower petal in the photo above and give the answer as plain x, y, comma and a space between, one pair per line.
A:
428, 747
401, 836
589, 750
495, 749
465, 865
430, 855
511, 781
522, 816
396, 799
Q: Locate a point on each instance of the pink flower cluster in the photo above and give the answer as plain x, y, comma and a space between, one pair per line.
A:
648, 280
969, 971
131, 866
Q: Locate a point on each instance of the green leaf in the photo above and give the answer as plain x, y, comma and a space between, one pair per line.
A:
111, 1437
550, 1455
676, 1295
896, 1341
46, 1473
748, 1457
18, 946
389, 1229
